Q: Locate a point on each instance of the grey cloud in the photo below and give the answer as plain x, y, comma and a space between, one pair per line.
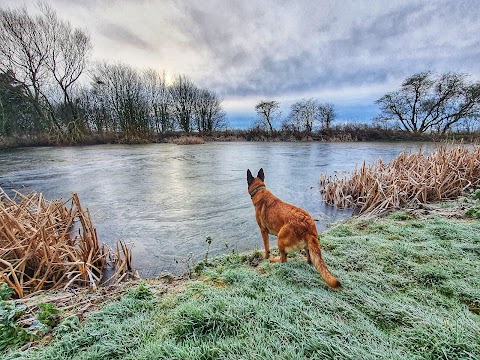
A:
240, 47
273, 48
390, 44
92, 3
124, 35
249, 58
242, 42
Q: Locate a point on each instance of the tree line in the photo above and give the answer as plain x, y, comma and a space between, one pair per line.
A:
303, 116
42, 58
425, 103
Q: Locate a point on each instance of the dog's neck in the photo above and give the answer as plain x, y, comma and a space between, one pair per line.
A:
256, 190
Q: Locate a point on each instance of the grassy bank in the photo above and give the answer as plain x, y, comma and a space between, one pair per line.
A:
411, 291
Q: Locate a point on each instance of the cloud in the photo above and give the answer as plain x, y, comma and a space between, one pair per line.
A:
266, 48
123, 35
273, 48
346, 51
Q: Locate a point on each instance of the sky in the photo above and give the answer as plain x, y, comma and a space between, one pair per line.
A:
347, 52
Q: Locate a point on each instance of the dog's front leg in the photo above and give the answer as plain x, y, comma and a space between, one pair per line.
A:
266, 243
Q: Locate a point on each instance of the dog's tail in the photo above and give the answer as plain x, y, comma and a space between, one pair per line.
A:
317, 260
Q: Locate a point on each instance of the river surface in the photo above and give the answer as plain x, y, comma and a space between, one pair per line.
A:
166, 199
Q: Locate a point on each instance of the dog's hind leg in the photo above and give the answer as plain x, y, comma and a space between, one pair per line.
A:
283, 241
266, 243
309, 259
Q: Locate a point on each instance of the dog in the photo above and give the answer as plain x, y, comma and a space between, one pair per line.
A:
294, 227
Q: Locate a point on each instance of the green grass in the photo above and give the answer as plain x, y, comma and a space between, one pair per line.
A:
411, 290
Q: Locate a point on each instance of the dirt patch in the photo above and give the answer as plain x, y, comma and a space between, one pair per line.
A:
81, 302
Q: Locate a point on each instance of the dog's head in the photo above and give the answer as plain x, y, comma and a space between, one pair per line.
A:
255, 182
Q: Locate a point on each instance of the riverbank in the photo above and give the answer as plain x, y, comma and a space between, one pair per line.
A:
348, 133
411, 289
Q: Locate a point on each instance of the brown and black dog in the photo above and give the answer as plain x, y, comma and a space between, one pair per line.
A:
294, 227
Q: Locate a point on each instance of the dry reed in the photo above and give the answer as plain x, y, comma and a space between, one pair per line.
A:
188, 140
52, 244
407, 180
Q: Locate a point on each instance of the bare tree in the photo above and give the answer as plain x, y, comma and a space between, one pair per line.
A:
327, 114
468, 125
304, 114
122, 89
309, 114
67, 58
184, 93
94, 108
294, 120
44, 55
427, 102
159, 98
23, 55
267, 112
209, 114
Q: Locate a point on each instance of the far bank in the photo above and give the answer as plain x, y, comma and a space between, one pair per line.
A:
345, 133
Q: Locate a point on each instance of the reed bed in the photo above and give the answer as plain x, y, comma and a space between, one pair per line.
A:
52, 245
408, 180
188, 140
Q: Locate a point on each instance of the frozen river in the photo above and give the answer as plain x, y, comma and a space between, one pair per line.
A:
167, 199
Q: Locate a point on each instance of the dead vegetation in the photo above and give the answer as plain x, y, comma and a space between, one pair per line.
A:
81, 301
407, 181
53, 245
188, 140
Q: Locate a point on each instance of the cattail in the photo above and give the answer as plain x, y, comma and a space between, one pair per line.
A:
42, 247
407, 180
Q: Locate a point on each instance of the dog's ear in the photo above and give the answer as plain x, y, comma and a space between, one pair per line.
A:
261, 175
249, 177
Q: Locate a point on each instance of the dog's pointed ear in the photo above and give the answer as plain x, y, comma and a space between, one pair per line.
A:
261, 175
249, 177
